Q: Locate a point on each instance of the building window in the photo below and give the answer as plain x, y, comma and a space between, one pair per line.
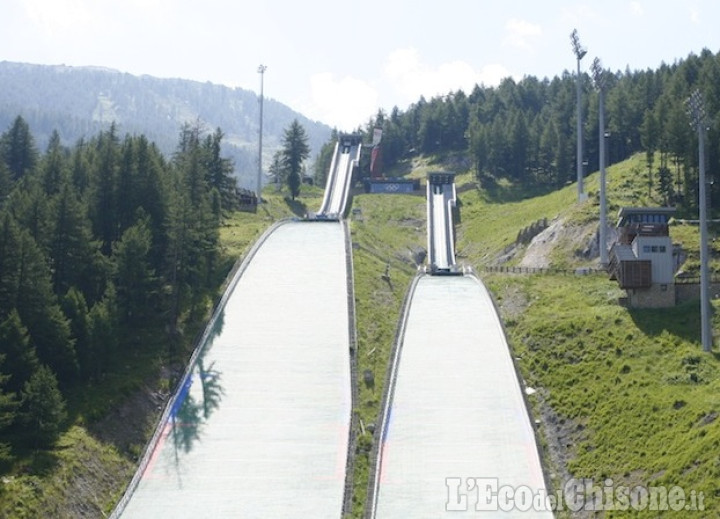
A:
647, 249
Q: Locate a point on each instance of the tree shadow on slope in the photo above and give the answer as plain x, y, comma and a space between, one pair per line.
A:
503, 190
28, 460
297, 207
400, 169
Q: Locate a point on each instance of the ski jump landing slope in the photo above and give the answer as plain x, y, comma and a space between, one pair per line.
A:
455, 409
260, 426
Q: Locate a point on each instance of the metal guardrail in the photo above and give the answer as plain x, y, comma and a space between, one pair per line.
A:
355, 391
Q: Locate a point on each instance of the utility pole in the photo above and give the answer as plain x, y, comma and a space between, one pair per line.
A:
579, 54
599, 78
261, 70
696, 110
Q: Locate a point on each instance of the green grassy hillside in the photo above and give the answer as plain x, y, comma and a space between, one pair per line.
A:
622, 395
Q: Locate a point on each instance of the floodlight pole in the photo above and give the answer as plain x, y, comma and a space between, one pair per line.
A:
579, 54
261, 70
599, 77
696, 106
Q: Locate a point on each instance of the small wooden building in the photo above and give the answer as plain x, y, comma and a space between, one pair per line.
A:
642, 258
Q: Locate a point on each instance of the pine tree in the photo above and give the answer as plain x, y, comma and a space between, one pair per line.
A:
152, 197
135, 279
102, 334
42, 408
5, 183
219, 170
30, 206
80, 168
665, 181
127, 191
103, 178
20, 359
546, 150
294, 181
71, 253
39, 310
8, 413
53, 165
649, 139
276, 170
9, 259
17, 148
193, 229
75, 308
478, 144
517, 142
294, 152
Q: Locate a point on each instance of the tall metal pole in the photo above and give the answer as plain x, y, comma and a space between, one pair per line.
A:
603, 201
579, 54
599, 77
697, 112
261, 70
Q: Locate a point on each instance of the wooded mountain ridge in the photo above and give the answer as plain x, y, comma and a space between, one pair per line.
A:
79, 102
525, 130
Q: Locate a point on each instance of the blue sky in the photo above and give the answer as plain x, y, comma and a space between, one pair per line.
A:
339, 62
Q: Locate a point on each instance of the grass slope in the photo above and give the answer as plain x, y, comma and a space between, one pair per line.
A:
622, 394
385, 230
624, 397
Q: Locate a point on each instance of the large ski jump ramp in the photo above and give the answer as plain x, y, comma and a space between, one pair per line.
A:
441, 198
260, 428
345, 159
454, 427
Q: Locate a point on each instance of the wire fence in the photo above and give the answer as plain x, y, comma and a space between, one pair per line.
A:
585, 271
581, 271
695, 280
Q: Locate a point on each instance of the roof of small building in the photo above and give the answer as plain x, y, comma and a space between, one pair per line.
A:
624, 253
627, 211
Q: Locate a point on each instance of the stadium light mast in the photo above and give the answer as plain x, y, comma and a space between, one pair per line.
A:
696, 111
599, 79
579, 54
261, 71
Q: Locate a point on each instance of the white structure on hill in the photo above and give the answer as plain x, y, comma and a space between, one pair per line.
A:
642, 259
